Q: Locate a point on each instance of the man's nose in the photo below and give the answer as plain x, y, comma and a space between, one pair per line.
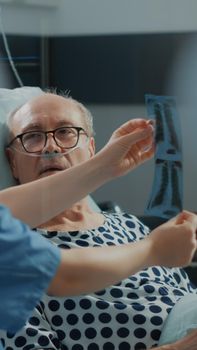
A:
51, 145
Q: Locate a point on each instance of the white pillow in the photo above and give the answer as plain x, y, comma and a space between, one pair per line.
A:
10, 99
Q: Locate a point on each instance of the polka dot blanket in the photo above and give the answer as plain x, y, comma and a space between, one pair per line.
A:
127, 316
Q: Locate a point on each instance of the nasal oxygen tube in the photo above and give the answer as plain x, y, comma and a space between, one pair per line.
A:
52, 154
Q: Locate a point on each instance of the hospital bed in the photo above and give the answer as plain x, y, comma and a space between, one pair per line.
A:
10, 99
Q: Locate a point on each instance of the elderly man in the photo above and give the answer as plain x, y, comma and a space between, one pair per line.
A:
49, 134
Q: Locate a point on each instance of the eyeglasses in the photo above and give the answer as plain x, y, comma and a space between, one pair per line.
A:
65, 137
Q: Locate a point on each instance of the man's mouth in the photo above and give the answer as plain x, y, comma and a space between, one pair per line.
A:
51, 169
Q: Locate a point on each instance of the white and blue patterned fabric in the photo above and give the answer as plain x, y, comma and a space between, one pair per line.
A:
127, 316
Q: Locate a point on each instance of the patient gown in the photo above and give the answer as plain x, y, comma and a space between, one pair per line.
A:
127, 316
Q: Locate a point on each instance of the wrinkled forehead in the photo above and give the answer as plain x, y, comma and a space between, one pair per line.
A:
45, 114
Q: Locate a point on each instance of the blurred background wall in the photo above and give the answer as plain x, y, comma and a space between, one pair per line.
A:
108, 53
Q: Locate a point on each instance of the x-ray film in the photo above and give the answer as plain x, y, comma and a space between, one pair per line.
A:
166, 198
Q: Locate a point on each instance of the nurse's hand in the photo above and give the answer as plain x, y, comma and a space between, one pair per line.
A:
129, 146
174, 243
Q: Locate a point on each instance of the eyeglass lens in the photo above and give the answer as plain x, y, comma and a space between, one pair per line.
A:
65, 137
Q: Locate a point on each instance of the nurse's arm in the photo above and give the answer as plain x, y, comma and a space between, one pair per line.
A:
90, 269
37, 202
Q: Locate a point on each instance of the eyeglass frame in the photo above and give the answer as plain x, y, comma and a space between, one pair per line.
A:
20, 137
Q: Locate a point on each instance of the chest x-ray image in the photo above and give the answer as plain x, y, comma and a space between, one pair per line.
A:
166, 198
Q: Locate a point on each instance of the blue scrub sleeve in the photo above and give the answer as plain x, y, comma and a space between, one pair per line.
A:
28, 262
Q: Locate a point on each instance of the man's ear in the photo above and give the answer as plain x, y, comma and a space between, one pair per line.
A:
91, 147
11, 159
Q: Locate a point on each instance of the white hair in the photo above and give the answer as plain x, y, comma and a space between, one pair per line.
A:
85, 113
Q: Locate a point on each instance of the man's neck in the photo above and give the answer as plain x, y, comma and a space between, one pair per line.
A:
79, 217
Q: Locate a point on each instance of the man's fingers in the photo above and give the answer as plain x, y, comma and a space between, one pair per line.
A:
187, 216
